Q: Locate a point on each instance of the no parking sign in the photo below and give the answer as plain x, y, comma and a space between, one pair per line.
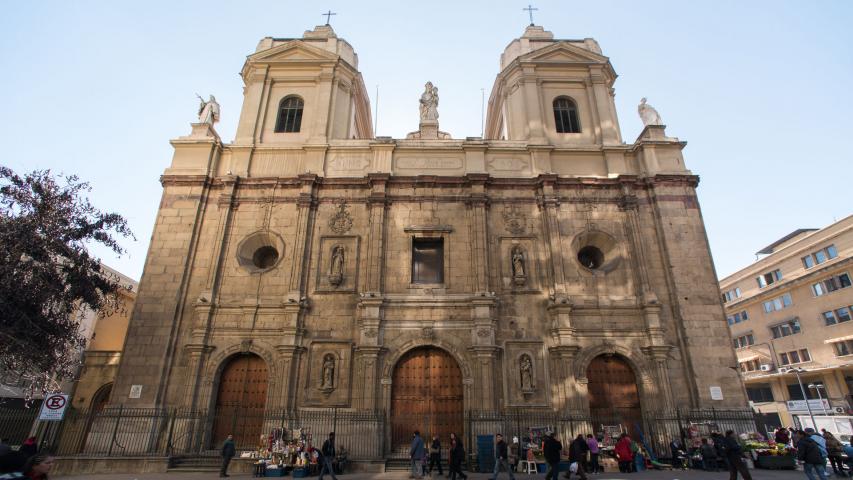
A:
53, 407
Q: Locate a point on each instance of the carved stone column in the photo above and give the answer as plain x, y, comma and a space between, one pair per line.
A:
377, 205
197, 356
566, 390
549, 205
486, 357
289, 356
657, 354
367, 393
480, 257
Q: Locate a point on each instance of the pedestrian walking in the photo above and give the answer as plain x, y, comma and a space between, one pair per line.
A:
808, 452
435, 455
457, 456
417, 454
594, 450
513, 454
551, 449
709, 456
577, 455
501, 458
734, 454
834, 452
228, 451
37, 468
327, 452
623, 453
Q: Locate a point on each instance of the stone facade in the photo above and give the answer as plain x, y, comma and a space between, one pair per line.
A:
332, 192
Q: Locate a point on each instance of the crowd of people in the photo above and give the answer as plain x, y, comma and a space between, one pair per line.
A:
26, 462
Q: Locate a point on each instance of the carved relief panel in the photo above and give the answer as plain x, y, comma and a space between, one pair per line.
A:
526, 381
328, 379
337, 264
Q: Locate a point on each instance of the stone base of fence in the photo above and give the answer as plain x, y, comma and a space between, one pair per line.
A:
81, 465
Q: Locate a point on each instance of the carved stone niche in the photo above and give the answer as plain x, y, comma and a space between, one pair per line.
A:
337, 264
328, 379
519, 262
526, 381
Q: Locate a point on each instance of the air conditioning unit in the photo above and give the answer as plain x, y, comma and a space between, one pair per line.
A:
839, 410
765, 367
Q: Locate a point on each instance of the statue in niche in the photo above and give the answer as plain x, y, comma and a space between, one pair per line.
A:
429, 103
208, 111
526, 369
519, 274
336, 266
648, 114
328, 373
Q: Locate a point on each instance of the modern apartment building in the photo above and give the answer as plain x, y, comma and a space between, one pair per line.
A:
789, 316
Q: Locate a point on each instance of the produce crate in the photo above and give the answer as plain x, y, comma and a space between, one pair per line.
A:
776, 462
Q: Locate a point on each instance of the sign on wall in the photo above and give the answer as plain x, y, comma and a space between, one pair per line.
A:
53, 407
817, 406
135, 391
716, 393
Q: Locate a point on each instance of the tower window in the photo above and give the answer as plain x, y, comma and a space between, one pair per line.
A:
566, 115
428, 260
289, 115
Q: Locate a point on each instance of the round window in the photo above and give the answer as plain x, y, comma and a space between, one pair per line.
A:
591, 257
265, 257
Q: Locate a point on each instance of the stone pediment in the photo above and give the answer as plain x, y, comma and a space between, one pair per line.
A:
563, 53
292, 51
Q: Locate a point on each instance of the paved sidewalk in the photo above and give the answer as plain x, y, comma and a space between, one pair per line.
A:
647, 475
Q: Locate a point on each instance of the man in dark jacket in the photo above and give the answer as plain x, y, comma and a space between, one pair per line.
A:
809, 453
501, 456
435, 455
551, 450
577, 454
228, 451
457, 456
733, 456
328, 452
416, 453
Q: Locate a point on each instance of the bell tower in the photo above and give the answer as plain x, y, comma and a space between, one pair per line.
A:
553, 92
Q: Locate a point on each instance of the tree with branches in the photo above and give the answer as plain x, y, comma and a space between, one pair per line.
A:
48, 278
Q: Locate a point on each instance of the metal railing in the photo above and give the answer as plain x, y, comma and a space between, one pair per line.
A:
121, 431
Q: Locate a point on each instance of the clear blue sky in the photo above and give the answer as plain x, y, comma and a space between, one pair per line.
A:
761, 90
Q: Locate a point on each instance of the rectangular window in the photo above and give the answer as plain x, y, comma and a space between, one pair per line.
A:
818, 289
843, 348
759, 393
819, 257
795, 356
428, 260
808, 261
804, 355
785, 329
843, 314
785, 360
831, 252
769, 278
795, 392
744, 341
731, 295
778, 303
831, 284
829, 318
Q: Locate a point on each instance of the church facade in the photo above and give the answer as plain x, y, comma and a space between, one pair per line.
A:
309, 264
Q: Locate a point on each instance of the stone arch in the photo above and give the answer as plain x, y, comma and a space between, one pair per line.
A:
634, 358
400, 350
214, 367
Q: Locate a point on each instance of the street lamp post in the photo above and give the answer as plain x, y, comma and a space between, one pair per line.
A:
817, 387
797, 372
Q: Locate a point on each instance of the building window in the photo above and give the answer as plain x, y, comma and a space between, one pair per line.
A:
428, 260
731, 295
289, 115
744, 341
795, 392
778, 303
795, 356
831, 284
760, 393
820, 256
769, 278
785, 329
566, 115
750, 366
843, 348
839, 315
737, 318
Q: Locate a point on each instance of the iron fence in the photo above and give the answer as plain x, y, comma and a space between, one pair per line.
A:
121, 431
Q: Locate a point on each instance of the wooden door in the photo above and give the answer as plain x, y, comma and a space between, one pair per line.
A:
240, 401
613, 395
426, 396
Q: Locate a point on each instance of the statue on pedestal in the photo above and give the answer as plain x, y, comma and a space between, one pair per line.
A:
328, 374
336, 269
429, 103
518, 274
526, 367
648, 114
208, 111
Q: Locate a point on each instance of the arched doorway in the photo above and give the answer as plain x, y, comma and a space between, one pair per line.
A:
426, 395
613, 395
97, 405
240, 400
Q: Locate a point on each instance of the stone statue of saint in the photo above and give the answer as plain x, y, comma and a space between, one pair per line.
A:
328, 380
518, 263
526, 367
336, 268
429, 103
648, 114
208, 111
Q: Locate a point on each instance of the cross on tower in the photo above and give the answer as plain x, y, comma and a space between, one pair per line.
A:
329, 16
530, 10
